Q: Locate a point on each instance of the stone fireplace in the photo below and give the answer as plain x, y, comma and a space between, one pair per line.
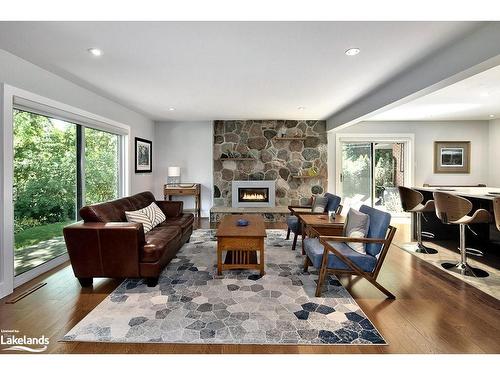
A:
253, 193
273, 159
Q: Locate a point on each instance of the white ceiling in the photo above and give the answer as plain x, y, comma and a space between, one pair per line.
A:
474, 98
223, 70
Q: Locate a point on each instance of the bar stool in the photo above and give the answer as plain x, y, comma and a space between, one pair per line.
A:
411, 200
496, 210
452, 209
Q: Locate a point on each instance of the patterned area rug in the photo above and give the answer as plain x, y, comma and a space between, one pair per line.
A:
192, 305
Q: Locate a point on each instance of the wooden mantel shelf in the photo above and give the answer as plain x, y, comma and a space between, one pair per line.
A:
237, 159
317, 176
289, 138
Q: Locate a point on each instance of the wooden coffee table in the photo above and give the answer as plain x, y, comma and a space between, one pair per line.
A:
241, 244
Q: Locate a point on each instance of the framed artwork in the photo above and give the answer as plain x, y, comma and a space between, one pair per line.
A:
143, 156
452, 157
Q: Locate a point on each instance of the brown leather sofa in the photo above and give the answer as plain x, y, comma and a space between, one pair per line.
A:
106, 245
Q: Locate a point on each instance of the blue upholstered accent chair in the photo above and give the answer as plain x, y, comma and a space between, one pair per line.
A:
332, 254
293, 221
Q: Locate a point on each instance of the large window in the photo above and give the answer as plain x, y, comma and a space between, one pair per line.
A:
49, 184
102, 166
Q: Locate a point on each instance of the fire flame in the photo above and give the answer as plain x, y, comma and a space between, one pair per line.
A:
253, 196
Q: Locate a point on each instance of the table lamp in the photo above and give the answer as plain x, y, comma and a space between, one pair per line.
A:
173, 175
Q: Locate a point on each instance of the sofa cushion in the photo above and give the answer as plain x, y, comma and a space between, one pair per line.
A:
159, 240
114, 211
184, 221
107, 212
141, 200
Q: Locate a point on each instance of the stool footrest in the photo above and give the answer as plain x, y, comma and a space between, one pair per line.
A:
428, 235
472, 251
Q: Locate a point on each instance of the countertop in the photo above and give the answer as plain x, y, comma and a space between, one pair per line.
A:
471, 192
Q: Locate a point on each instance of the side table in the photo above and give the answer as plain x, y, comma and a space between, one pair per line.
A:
184, 189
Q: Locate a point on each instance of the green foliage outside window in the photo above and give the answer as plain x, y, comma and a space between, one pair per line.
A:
45, 170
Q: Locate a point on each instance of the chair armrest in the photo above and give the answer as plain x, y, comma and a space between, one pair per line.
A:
311, 213
105, 249
293, 209
171, 208
323, 239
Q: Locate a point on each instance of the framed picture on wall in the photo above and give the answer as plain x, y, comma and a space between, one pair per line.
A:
143, 156
452, 157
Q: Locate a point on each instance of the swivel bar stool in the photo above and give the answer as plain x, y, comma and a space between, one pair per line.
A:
496, 210
411, 200
452, 209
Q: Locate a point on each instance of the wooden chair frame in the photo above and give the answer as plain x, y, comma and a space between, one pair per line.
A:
354, 269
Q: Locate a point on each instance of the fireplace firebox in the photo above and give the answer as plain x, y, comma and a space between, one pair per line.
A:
253, 193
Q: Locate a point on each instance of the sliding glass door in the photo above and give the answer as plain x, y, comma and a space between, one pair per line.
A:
371, 172
58, 167
44, 187
356, 174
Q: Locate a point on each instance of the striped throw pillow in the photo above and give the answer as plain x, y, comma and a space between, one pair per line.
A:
149, 216
155, 214
140, 217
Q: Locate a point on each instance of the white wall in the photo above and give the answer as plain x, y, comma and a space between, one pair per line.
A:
24, 75
494, 153
187, 145
425, 134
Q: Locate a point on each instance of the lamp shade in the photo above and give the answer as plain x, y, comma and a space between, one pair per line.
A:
174, 171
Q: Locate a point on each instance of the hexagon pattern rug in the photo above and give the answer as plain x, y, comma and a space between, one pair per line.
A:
191, 304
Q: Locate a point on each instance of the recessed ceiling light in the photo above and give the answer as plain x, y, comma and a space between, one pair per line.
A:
171, 109
352, 51
301, 107
95, 52
491, 116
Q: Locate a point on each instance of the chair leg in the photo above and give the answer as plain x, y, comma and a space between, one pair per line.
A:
381, 288
321, 279
307, 263
322, 273
295, 235
288, 234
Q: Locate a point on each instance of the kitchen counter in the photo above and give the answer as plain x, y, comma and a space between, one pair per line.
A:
468, 192
480, 197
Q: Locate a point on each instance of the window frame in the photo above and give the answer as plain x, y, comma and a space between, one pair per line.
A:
14, 98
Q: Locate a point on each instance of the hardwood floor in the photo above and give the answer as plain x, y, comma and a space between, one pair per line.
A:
433, 313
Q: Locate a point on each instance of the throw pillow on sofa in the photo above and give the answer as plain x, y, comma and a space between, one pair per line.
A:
140, 217
155, 214
150, 216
